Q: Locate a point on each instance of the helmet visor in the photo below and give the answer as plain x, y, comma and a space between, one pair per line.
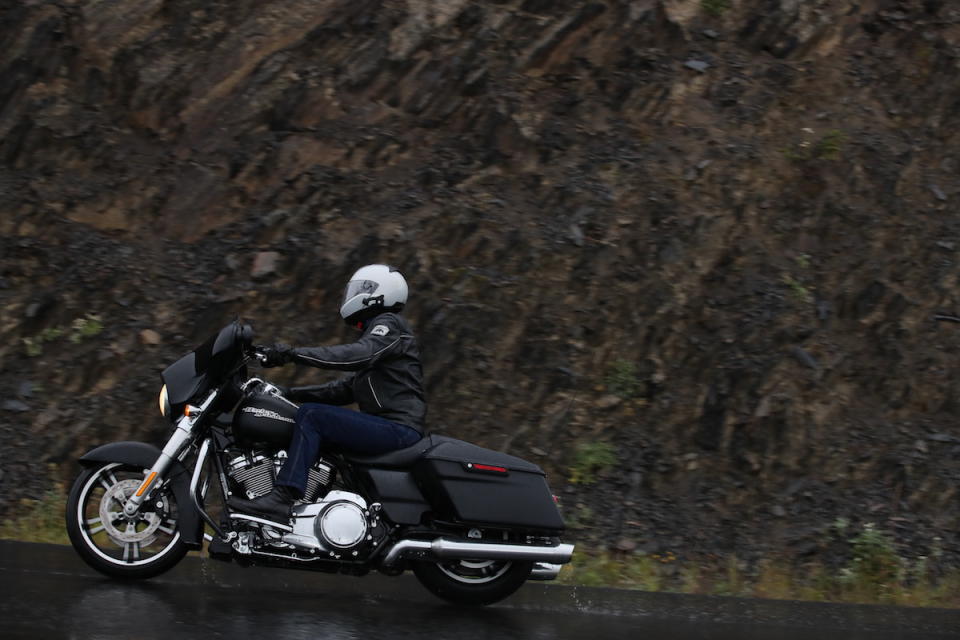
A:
355, 287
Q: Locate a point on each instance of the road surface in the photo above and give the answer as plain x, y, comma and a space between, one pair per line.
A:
47, 592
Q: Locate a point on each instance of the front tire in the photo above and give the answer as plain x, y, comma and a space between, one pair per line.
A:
472, 582
132, 548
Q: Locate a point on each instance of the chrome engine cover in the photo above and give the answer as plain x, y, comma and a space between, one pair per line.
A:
342, 525
338, 523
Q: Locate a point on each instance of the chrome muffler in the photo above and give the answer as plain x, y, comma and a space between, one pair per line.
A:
545, 571
443, 549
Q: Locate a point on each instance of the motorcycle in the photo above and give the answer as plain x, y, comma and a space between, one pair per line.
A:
472, 524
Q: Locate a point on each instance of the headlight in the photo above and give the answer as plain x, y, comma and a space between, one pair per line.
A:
164, 402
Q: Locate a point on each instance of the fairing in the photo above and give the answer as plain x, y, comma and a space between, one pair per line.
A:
206, 366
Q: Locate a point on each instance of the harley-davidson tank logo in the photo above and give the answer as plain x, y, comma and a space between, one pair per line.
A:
267, 413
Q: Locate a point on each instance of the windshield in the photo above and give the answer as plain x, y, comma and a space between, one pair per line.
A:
205, 366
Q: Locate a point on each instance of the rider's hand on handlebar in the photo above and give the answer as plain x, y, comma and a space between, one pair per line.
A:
276, 355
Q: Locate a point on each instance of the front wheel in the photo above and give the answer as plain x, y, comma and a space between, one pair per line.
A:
475, 582
139, 547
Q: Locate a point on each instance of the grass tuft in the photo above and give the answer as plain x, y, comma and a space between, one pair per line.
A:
831, 145
623, 380
591, 459
715, 7
81, 329
876, 574
39, 520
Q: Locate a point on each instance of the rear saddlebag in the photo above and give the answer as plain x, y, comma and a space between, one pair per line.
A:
474, 485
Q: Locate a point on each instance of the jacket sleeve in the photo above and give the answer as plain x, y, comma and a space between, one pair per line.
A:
338, 392
382, 337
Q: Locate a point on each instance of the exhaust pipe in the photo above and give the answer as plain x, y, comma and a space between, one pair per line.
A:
443, 549
545, 571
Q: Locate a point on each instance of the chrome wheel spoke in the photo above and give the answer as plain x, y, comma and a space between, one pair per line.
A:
475, 572
131, 552
108, 480
95, 530
168, 526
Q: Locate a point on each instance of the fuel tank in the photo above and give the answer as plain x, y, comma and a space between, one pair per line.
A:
264, 420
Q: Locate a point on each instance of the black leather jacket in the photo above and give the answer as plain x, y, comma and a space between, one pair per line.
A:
388, 381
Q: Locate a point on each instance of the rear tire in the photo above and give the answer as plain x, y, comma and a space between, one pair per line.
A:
136, 548
472, 582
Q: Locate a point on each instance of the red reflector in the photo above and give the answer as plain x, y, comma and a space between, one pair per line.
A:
486, 467
473, 466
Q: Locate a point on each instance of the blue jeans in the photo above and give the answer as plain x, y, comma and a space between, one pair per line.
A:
322, 427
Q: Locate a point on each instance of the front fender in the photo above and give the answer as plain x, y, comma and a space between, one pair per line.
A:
141, 454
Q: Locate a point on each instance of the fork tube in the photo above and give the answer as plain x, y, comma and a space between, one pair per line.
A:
182, 437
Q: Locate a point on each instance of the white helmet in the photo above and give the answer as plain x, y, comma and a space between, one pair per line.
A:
371, 290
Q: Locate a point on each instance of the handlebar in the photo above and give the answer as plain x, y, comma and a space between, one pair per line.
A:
257, 354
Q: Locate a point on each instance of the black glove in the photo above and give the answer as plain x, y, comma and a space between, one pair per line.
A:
276, 356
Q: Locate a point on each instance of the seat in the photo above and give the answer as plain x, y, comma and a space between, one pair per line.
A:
401, 458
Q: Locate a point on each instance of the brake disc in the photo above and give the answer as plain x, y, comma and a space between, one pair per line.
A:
121, 529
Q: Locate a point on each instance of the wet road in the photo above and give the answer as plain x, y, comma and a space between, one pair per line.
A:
46, 592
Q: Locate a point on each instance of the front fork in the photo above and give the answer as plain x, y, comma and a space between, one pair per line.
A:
176, 446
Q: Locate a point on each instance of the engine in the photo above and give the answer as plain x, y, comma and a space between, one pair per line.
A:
328, 524
255, 473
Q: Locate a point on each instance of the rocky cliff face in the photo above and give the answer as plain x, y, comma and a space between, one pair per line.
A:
711, 234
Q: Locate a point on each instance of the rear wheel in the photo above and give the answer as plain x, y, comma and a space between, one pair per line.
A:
141, 546
474, 582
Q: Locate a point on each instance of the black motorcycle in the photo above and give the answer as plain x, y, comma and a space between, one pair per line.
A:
472, 524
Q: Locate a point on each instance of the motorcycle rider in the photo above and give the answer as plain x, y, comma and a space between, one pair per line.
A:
387, 385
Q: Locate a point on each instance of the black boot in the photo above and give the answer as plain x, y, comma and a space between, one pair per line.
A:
273, 506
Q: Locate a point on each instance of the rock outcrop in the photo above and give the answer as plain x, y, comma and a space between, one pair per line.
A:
712, 234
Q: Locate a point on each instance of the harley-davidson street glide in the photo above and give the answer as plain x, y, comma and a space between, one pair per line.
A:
472, 524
